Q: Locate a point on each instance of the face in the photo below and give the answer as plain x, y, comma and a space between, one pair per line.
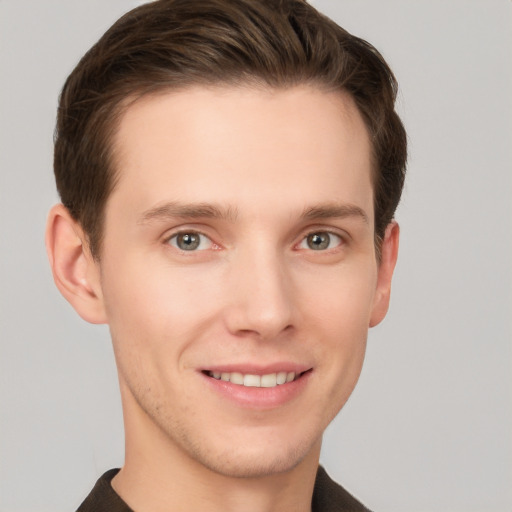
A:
238, 272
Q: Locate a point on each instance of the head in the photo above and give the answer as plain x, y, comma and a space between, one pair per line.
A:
174, 44
229, 171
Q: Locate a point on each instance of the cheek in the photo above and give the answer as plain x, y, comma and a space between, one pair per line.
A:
339, 312
341, 298
151, 303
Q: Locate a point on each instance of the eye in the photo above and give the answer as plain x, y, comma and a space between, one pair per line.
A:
320, 241
190, 241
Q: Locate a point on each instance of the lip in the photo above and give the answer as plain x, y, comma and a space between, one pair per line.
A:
254, 369
258, 398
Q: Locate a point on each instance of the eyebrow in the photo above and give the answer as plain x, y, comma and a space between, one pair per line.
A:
175, 209
335, 211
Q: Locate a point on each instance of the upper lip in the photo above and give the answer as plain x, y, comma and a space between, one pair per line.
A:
255, 369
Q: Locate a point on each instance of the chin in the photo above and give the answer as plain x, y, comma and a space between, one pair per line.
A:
237, 465
255, 459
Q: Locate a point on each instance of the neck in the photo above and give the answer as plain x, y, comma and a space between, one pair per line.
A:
159, 476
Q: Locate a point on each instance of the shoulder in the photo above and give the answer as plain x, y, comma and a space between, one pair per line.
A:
328, 496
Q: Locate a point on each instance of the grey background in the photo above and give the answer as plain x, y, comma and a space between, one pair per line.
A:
429, 427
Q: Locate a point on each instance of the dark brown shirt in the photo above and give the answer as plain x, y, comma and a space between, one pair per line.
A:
328, 496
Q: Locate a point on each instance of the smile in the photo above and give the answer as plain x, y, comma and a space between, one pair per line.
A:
269, 380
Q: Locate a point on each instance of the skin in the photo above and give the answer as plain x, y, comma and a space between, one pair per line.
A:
255, 172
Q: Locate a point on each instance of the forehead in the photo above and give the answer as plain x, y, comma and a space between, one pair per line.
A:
243, 146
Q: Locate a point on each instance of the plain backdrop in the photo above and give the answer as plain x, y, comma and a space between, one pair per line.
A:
429, 427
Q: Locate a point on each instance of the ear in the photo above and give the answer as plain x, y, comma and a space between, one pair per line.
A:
389, 255
75, 272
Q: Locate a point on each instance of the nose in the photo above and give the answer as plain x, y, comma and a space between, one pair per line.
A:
260, 301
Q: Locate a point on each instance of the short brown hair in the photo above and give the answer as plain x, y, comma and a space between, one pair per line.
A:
170, 44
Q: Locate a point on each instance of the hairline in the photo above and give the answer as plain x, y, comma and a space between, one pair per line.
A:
120, 107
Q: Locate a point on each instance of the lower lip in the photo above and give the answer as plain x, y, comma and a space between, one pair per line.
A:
259, 398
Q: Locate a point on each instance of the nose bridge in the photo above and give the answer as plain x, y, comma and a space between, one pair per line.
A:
262, 299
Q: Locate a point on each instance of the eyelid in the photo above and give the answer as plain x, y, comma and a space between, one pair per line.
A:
342, 235
183, 230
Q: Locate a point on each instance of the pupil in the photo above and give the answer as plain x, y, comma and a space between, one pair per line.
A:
318, 241
188, 241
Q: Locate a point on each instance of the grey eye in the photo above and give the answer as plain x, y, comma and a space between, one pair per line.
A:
190, 241
320, 241
187, 241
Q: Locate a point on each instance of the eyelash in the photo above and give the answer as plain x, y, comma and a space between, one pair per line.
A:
194, 244
191, 233
322, 233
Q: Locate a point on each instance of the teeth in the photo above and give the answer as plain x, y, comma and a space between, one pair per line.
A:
270, 380
281, 377
253, 381
236, 378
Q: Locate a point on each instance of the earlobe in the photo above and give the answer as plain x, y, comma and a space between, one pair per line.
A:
389, 255
75, 271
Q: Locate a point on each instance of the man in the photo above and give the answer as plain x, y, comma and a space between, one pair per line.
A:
229, 172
